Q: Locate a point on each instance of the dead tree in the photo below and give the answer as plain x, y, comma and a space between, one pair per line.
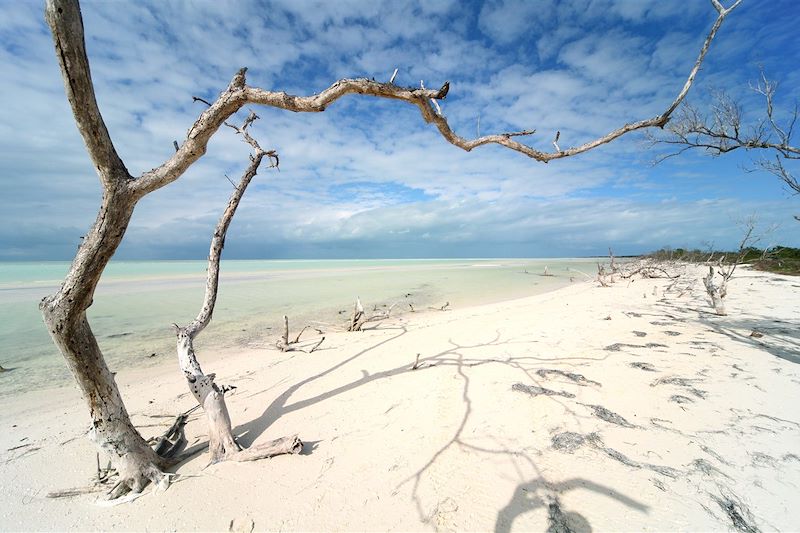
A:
358, 318
222, 442
722, 131
604, 278
64, 312
718, 291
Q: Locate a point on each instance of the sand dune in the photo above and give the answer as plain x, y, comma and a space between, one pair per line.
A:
586, 408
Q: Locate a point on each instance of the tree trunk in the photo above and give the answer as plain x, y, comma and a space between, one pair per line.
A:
64, 314
716, 293
221, 442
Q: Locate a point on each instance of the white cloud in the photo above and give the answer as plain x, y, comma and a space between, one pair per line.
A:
369, 170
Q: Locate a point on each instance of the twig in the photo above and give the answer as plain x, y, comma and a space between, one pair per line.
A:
317, 345
198, 99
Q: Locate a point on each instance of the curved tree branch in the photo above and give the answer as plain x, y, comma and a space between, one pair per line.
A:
238, 94
218, 239
211, 397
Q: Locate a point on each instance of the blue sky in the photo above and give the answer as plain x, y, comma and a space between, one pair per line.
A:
368, 178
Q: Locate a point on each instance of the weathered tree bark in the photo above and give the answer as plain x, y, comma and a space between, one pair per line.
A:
222, 442
65, 311
717, 293
358, 318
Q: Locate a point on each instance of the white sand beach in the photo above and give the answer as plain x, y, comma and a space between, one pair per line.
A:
585, 408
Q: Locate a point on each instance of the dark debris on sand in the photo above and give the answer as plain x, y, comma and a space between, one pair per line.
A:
647, 367
575, 378
610, 416
569, 441
618, 346
533, 390
740, 516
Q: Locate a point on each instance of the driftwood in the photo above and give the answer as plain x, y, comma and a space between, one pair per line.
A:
285, 345
718, 291
359, 318
603, 277
613, 262
649, 272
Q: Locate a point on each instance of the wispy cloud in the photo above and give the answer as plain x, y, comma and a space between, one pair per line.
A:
368, 178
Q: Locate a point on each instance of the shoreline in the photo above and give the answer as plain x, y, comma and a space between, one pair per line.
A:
678, 414
163, 366
132, 319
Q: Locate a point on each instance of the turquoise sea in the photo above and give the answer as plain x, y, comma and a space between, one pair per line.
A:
137, 301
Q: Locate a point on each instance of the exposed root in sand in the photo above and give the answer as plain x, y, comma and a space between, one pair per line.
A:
572, 376
533, 390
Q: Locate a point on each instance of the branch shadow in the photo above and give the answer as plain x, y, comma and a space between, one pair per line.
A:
456, 356
250, 431
780, 337
538, 493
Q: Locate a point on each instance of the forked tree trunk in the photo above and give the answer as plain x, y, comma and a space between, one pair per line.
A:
64, 314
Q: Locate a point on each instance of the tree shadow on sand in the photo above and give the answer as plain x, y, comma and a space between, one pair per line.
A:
777, 337
539, 493
250, 431
461, 358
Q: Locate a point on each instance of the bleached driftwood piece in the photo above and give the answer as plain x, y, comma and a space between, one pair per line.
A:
285, 345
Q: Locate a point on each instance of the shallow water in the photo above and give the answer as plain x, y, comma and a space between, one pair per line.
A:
137, 301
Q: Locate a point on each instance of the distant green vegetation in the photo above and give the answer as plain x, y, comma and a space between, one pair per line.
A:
779, 259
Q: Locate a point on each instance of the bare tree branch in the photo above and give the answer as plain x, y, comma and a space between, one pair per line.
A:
65, 23
722, 131
238, 94
218, 240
